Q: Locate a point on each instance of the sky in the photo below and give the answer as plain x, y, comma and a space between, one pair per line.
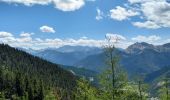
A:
41, 24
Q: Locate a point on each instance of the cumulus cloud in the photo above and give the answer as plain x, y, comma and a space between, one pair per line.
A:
47, 29
63, 5
156, 13
139, 1
99, 15
148, 39
5, 34
69, 5
83, 41
146, 24
28, 2
23, 34
26, 41
152, 14
120, 13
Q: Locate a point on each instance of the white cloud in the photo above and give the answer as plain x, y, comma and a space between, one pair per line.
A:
26, 41
69, 5
99, 15
47, 29
138, 1
147, 24
142, 1
156, 13
29, 2
26, 34
148, 39
120, 13
64, 5
5, 34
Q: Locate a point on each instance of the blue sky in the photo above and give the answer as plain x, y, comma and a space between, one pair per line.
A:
53, 23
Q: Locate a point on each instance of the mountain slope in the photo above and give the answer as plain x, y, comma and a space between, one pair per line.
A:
90, 75
49, 73
159, 74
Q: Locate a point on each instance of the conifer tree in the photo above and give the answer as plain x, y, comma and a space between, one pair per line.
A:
18, 84
30, 93
41, 91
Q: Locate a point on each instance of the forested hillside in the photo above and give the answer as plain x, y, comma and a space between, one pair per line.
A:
158, 75
24, 76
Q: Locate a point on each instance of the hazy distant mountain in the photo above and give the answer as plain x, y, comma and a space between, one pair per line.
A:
137, 58
87, 49
29, 50
66, 55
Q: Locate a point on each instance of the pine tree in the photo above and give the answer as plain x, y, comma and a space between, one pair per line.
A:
1, 79
26, 82
18, 85
30, 93
35, 93
41, 91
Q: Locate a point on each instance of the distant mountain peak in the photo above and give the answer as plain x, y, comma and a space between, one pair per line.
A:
68, 48
138, 47
167, 45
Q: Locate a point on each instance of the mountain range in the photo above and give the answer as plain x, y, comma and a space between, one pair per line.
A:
142, 58
66, 55
137, 58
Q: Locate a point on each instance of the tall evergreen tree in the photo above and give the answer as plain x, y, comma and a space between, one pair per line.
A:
18, 85
30, 93
41, 91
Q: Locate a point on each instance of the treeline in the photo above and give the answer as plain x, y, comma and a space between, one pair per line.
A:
27, 77
18, 86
